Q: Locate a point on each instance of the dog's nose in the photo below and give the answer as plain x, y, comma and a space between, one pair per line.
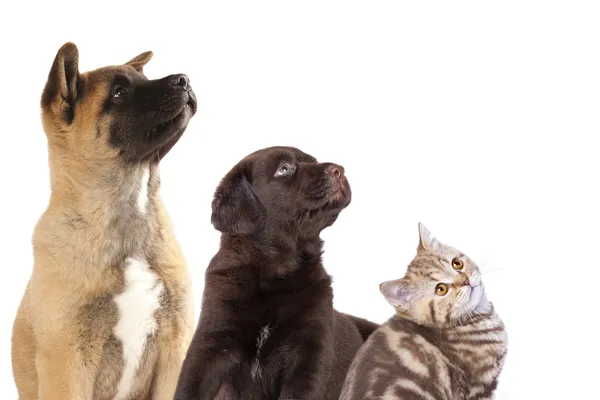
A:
337, 171
180, 81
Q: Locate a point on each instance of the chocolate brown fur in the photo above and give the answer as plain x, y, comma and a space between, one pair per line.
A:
268, 329
104, 213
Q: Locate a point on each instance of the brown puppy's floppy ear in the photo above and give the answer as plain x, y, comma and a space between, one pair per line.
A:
62, 82
235, 207
138, 62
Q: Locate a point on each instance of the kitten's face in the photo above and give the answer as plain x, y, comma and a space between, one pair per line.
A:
441, 285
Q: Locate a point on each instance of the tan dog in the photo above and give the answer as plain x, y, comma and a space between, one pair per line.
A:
107, 313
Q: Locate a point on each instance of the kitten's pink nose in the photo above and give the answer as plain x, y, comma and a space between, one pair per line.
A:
466, 282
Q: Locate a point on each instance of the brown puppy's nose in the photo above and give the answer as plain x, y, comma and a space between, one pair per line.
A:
466, 282
335, 170
180, 81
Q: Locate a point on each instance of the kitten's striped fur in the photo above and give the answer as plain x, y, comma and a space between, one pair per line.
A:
436, 347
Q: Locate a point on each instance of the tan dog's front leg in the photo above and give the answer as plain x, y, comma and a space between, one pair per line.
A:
62, 373
172, 351
23, 357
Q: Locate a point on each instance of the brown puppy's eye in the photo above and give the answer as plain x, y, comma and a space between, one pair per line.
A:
284, 170
441, 289
457, 264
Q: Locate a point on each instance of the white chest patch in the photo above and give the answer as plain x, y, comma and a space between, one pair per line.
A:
262, 337
136, 304
142, 200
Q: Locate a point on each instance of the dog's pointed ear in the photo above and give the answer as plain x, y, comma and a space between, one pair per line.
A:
236, 208
139, 61
62, 84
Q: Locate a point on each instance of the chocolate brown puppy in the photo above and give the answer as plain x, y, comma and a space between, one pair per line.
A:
268, 329
107, 313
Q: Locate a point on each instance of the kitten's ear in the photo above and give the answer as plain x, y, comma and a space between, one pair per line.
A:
427, 241
235, 207
60, 92
139, 61
398, 293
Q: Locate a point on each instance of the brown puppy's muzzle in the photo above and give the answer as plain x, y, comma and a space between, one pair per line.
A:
339, 183
332, 190
338, 179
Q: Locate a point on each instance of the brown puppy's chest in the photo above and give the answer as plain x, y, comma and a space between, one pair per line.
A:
272, 321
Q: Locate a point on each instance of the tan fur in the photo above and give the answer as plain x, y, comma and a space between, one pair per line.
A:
64, 326
446, 346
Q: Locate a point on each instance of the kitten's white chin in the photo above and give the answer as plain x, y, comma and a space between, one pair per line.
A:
478, 301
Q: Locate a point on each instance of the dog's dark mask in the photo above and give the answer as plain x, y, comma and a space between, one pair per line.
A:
140, 118
280, 188
148, 116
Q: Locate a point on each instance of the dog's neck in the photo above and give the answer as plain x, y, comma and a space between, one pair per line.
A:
282, 252
117, 207
102, 190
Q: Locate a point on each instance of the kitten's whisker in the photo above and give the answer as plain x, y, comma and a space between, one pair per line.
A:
491, 270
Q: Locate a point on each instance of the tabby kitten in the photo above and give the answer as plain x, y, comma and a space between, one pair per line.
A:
445, 341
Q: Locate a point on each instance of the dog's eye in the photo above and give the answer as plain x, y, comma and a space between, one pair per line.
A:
284, 170
119, 92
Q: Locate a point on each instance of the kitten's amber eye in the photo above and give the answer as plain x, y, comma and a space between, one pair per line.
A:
441, 289
457, 264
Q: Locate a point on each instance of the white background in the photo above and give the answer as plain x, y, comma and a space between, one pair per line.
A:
479, 119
